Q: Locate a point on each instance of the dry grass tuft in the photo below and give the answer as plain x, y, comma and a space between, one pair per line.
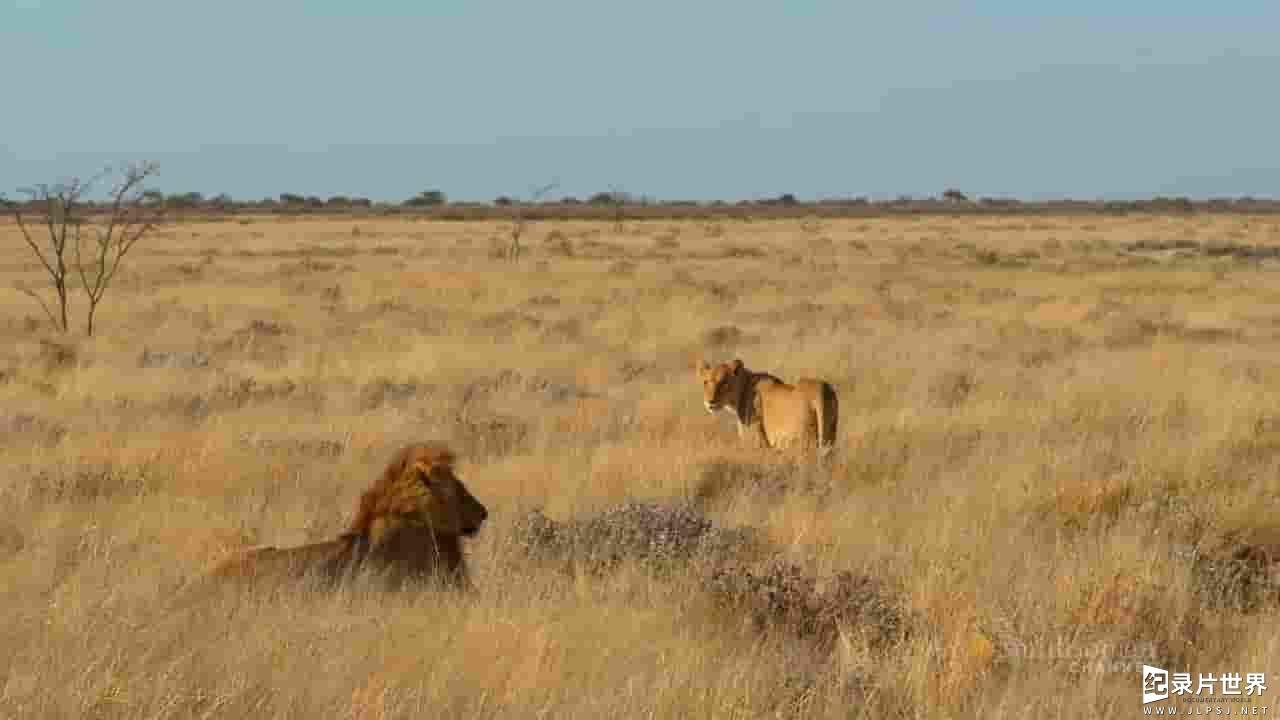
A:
654, 535
781, 595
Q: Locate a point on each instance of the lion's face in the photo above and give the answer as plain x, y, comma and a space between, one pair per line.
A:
432, 496
717, 382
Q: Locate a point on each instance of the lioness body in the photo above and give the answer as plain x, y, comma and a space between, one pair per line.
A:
409, 524
769, 411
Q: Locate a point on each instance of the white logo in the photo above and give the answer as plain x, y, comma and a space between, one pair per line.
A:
1223, 690
1155, 684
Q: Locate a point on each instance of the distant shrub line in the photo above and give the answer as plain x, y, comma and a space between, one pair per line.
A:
433, 205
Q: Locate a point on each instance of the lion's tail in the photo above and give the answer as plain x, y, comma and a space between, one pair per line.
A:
828, 409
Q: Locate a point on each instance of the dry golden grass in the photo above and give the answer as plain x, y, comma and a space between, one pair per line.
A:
1035, 426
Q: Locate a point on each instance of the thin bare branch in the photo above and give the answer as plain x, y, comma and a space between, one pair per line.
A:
43, 306
87, 185
120, 200
518, 223
84, 279
26, 235
538, 193
50, 219
124, 244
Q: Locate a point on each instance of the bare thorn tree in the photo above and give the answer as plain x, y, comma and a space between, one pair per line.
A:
94, 253
520, 220
618, 198
59, 202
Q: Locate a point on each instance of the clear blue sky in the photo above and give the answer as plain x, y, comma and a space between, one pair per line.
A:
699, 99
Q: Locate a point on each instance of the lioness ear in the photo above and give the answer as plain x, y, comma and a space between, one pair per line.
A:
737, 365
700, 366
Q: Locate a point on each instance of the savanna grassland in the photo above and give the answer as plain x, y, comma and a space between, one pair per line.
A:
1050, 438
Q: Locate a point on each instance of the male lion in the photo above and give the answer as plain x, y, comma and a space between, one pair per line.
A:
778, 415
407, 525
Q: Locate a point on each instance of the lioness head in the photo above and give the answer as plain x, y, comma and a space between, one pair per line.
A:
419, 489
717, 383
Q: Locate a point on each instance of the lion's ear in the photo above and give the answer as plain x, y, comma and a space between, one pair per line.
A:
737, 365
423, 470
700, 366
394, 469
444, 456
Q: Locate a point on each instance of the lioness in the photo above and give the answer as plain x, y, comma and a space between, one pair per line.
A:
776, 414
407, 525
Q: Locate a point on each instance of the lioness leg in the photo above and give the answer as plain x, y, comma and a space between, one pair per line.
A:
752, 434
760, 433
